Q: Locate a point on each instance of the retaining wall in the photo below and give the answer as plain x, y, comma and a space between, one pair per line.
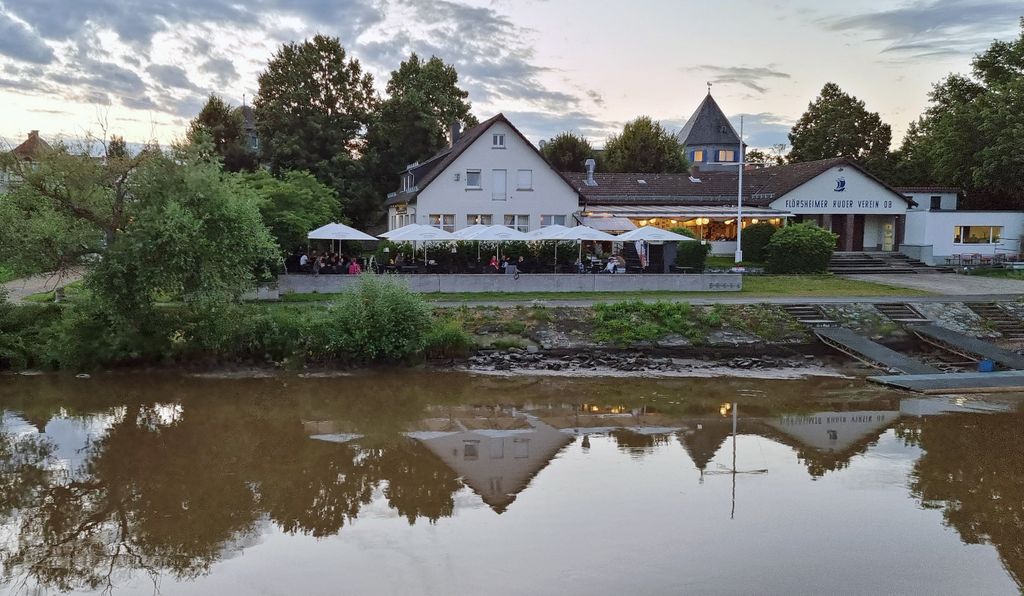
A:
534, 282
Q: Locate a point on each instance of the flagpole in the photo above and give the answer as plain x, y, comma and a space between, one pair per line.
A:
739, 201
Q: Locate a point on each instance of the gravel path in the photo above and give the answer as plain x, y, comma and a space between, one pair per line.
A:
18, 289
948, 284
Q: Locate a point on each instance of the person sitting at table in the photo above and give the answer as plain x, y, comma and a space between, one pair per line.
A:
521, 264
613, 264
354, 268
399, 260
492, 266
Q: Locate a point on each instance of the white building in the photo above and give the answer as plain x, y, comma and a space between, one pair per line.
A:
490, 174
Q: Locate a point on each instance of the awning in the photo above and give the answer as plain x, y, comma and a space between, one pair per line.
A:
598, 212
608, 224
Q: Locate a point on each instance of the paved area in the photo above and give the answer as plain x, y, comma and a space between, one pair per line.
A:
18, 289
739, 300
948, 283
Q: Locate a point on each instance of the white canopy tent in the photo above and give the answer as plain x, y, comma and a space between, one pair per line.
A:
416, 233
546, 233
395, 231
581, 233
467, 233
337, 231
652, 234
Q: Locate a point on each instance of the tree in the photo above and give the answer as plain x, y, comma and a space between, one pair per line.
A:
838, 125
311, 110
412, 124
117, 148
292, 205
645, 146
568, 151
775, 156
222, 124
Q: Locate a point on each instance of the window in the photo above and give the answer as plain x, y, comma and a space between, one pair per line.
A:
444, 222
499, 190
470, 449
725, 155
406, 181
697, 156
518, 222
524, 180
552, 220
936, 203
498, 141
977, 234
473, 179
483, 219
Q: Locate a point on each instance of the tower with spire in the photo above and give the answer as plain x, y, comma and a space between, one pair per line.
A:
709, 137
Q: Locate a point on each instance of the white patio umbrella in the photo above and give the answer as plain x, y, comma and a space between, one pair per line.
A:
549, 233
420, 233
395, 231
337, 231
581, 233
498, 234
467, 234
652, 234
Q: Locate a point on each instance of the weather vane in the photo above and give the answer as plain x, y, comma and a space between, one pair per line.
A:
709, 87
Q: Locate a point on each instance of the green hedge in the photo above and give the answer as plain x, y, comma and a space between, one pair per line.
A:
755, 239
800, 248
693, 255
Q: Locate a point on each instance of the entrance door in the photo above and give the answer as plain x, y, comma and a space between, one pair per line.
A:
839, 228
858, 232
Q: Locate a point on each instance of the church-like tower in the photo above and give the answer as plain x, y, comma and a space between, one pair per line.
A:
709, 137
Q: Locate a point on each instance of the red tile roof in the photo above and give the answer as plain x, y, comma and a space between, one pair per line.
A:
32, 147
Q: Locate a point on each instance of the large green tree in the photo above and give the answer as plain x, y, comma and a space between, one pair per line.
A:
292, 205
568, 151
313, 106
424, 99
837, 124
223, 125
970, 135
644, 146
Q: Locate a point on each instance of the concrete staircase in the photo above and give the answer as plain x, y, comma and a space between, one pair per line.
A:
901, 313
1009, 326
880, 262
809, 315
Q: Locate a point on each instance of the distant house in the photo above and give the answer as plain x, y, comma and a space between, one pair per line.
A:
490, 174
27, 153
709, 138
249, 136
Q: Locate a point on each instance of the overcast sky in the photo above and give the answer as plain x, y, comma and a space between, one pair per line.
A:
550, 65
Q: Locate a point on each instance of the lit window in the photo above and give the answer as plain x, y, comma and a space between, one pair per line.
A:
697, 156
524, 180
444, 222
552, 220
977, 234
518, 222
473, 178
498, 141
483, 219
725, 155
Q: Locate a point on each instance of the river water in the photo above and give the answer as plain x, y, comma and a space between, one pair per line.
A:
417, 482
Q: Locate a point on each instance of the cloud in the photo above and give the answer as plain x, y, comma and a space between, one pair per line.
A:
763, 129
170, 76
19, 42
222, 69
545, 125
936, 27
754, 78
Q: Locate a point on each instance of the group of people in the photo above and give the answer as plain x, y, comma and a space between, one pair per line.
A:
508, 265
328, 262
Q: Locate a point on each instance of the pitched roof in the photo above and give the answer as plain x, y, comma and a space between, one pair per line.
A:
760, 186
708, 126
32, 147
923, 189
425, 172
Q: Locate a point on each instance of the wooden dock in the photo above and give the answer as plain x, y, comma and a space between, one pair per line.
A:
965, 345
993, 382
869, 352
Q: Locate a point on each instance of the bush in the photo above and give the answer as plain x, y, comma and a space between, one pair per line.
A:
693, 255
448, 339
800, 248
624, 323
684, 232
378, 319
755, 239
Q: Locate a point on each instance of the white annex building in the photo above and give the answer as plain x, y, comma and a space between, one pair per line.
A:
490, 174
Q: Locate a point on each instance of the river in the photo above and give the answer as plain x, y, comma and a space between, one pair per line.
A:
427, 482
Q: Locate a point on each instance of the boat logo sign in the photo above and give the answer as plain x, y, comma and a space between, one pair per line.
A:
840, 184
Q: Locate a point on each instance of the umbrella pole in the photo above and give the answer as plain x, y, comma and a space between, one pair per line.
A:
556, 256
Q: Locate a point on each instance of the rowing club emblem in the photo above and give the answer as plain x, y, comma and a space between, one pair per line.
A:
840, 184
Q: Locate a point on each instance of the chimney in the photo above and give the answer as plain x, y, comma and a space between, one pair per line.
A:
33, 134
455, 131
590, 164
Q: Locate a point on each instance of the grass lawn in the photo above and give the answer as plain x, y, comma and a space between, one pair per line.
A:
725, 262
70, 291
1000, 273
5, 274
753, 286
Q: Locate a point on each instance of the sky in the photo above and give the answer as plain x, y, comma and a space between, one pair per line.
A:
142, 69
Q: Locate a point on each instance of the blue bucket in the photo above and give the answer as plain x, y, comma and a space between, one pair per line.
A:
986, 365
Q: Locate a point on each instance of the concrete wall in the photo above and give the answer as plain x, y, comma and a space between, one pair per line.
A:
935, 229
924, 200
550, 195
451, 283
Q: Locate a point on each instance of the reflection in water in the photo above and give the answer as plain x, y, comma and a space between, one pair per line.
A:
105, 481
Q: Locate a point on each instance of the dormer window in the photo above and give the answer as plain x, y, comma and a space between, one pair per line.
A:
406, 181
497, 141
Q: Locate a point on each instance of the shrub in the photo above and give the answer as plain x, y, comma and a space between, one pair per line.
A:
447, 339
755, 239
624, 323
684, 232
693, 255
800, 248
378, 319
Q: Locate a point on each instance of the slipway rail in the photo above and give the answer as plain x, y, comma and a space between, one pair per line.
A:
967, 346
871, 353
993, 382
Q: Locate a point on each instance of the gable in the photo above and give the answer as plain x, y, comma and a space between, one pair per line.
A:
842, 188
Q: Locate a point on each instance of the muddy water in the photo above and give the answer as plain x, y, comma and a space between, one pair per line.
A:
448, 483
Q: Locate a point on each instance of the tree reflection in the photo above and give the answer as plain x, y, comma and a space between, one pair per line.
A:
972, 467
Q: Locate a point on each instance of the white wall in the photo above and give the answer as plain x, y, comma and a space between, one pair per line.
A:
935, 229
924, 200
862, 195
550, 195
